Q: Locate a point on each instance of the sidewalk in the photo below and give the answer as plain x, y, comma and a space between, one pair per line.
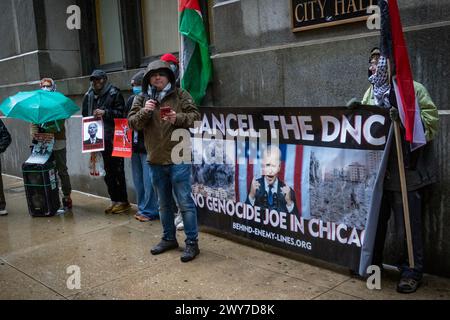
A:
113, 255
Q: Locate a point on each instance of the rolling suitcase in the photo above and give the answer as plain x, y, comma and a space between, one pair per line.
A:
41, 188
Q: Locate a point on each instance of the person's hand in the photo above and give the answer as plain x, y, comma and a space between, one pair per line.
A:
171, 117
353, 103
286, 190
150, 105
255, 186
99, 113
393, 113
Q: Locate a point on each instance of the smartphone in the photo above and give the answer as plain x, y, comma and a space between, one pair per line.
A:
165, 111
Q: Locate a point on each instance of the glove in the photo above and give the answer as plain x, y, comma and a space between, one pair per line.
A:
353, 104
393, 113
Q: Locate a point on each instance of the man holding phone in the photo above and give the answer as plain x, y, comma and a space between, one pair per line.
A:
158, 111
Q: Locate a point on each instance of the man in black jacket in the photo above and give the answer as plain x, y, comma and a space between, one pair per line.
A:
104, 101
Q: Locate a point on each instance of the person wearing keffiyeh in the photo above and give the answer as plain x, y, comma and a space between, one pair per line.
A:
420, 170
379, 79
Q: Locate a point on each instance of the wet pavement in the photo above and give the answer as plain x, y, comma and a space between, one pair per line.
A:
112, 254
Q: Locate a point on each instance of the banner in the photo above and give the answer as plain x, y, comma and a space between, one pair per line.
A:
308, 180
92, 135
123, 146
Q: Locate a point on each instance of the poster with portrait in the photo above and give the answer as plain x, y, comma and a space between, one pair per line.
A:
92, 135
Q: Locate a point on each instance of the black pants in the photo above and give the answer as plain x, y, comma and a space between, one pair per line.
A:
60, 157
392, 202
115, 175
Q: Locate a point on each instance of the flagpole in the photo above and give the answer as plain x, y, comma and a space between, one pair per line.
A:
180, 45
404, 189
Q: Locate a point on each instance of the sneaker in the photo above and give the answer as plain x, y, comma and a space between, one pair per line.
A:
110, 208
67, 202
408, 285
3, 212
179, 222
121, 208
163, 246
190, 252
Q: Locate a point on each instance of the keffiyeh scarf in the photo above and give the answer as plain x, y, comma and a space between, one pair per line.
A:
380, 82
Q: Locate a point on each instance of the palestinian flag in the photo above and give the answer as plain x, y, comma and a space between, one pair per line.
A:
196, 69
393, 46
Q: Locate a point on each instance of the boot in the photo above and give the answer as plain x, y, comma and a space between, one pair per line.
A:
190, 252
163, 246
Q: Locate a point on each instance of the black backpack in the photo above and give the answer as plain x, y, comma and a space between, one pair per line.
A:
5, 137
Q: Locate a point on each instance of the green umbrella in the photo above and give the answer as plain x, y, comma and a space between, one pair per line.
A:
38, 106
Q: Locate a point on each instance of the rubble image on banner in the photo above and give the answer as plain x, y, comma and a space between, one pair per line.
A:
341, 183
212, 177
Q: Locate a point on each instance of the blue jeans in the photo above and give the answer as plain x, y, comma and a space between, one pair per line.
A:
146, 196
176, 177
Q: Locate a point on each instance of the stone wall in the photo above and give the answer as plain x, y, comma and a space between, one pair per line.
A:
36, 41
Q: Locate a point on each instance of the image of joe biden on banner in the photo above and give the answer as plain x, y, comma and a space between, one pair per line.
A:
269, 192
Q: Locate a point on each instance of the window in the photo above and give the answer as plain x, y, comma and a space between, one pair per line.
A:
160, 22
109, 31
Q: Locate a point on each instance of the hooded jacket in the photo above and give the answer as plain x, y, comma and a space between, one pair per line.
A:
158, 133
420, 166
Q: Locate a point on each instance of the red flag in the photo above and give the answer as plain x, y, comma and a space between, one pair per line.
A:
404, 84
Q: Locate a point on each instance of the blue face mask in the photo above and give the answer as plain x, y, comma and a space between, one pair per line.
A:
137, 90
